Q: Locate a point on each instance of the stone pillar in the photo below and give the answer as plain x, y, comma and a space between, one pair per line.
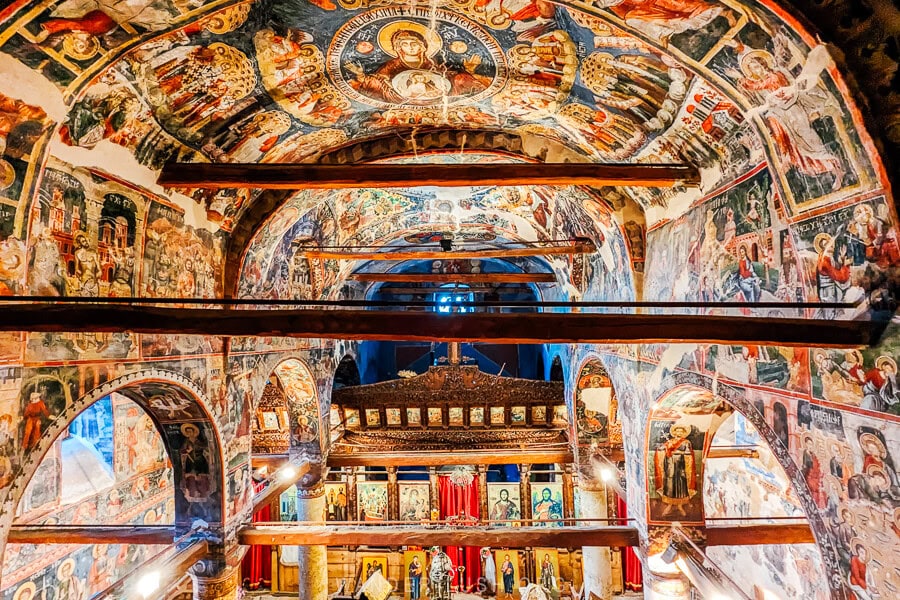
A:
666, 586
222, 586
597, 562
312, 560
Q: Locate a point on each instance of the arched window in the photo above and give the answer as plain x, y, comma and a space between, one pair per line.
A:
450, 297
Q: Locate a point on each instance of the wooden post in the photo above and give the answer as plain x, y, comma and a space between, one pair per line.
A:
354, 479
482, 492
393, 494
525, 490
435, 489
568, 494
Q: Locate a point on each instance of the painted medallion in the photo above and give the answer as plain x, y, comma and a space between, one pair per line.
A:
400, 56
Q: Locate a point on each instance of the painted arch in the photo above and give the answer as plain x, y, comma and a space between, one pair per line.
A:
174, 405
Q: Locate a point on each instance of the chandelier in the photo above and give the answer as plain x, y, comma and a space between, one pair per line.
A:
461, 476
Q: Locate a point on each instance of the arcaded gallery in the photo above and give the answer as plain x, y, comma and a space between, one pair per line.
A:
449, 299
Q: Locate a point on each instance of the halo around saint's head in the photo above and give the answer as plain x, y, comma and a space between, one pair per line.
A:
391, 32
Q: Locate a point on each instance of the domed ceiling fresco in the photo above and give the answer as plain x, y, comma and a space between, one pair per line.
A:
286, 80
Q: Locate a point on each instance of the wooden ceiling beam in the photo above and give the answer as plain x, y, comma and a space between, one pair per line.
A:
415, 535
91, 534
759, 535
455, 277
437, 254
331, 177
511, 328
412, 291
436, 459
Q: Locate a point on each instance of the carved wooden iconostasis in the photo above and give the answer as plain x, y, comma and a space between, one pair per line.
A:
410, 494
451, 407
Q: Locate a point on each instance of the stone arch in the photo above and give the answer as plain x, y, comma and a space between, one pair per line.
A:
298, 383
705, 394
594, 428
594, 405
177, 408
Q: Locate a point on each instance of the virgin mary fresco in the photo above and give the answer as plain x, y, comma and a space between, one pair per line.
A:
413, 75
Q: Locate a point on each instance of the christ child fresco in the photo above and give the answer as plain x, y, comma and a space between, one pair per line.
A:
413, 75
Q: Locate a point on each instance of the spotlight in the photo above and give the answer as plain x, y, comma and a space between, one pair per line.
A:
607, 475
287, 473
148, 584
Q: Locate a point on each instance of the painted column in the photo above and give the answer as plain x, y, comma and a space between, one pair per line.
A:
596, 561
312, 560
222, 586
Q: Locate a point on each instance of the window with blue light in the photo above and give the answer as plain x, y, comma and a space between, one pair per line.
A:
449, 301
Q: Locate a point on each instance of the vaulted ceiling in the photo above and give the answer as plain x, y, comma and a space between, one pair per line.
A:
726, 86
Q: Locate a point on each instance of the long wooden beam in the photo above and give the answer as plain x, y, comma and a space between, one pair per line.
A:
438, 458
91, 534
502, 537
272, 462
757, 535
280, 482
511, 328
167, 568
298, 176
455, 277
579, 248
728, 452
430, 289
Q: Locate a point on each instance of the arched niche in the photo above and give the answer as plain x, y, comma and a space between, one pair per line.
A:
556, 370
175, 406
346, 374
690, 398
110, 468
301, 392
754, 491
679, 432
595, 406
271, 428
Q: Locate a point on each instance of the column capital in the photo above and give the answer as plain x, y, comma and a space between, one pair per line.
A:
313, 482
223, 585
314, 491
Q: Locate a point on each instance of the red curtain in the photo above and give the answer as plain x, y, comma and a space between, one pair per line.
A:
631, 565
256, 568
455, 501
